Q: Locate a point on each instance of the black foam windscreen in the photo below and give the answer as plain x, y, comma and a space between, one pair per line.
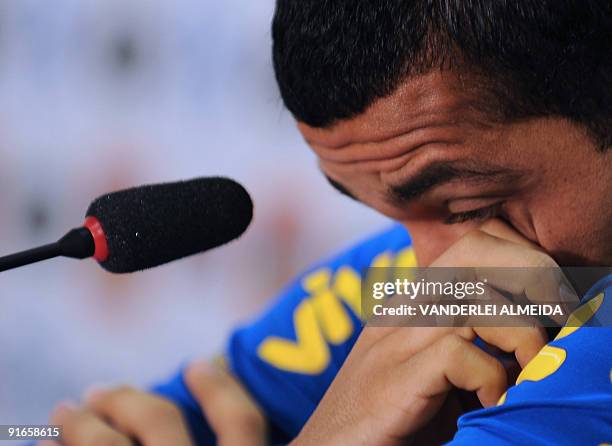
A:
151, 225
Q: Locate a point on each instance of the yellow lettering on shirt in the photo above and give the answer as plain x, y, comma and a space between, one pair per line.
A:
321, 317
309, 354
335, 323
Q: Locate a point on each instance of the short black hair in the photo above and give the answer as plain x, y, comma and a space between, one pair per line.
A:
333, 58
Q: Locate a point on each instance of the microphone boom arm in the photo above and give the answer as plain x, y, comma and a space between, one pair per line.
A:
76, 244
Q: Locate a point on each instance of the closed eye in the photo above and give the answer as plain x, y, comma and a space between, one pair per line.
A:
483, 213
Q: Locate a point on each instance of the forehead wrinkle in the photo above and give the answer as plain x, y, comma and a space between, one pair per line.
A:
397, 146
418, 102
389, 164
339, 139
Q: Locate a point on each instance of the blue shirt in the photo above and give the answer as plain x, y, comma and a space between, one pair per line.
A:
289, 356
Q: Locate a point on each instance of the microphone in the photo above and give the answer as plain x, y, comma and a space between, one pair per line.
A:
147, 226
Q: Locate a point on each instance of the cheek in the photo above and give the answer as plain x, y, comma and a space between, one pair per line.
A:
571, 227
561, 240
574, 235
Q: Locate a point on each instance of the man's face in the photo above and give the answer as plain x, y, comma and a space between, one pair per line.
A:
425, 156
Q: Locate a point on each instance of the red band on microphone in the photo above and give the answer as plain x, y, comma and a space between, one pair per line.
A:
94, 226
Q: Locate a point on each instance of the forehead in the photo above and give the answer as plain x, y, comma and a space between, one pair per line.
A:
429, 100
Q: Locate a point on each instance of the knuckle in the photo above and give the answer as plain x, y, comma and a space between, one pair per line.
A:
543, 260
466, 333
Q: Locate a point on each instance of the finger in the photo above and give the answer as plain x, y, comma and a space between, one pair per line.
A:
524, 342
151, 419
231, 412
480, 249
454, 361
534, 274
499, 229
530, 286
83, 428
498, 300
537, 283
407, 342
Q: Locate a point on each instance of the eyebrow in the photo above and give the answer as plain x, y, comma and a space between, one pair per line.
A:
438, 174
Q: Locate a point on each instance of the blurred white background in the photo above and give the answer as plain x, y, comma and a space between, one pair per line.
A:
97, 95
